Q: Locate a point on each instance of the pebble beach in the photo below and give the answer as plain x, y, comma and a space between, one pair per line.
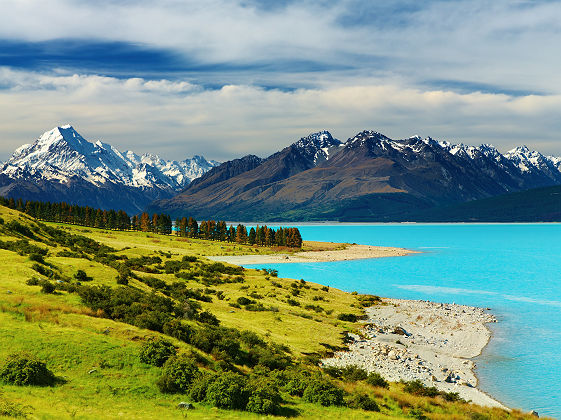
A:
433, 342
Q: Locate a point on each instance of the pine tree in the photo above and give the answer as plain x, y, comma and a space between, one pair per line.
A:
193, 228
145, 222
251, 236
241, 234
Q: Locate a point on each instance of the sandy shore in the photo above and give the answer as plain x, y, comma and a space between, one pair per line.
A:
351, 252
436, 343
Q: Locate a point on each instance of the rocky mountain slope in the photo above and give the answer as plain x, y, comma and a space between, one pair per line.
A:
369, 177
63, 166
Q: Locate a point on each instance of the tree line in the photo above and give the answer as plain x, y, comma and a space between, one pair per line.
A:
157, 223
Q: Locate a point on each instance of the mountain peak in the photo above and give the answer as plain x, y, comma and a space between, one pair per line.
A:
317, 146
63, 134
62, 154
319, 140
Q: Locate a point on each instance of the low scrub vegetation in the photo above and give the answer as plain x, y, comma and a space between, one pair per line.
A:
25, 369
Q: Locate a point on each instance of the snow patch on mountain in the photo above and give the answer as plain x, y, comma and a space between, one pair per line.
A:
62, 153
317, 146
531, 161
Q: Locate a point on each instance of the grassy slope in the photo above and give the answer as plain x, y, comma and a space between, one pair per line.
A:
98, 357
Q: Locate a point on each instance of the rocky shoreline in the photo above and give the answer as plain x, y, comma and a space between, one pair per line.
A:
433, 342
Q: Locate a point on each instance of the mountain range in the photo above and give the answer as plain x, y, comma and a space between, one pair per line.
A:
370, 177
63, 166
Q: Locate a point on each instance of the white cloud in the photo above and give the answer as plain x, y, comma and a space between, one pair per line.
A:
504, 43
177, 119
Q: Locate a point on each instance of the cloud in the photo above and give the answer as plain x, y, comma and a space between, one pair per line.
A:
500, 46
178, 119
229, 77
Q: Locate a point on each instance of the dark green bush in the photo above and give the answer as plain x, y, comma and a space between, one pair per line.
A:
47, 287
157, 352
323, 392
178, 375
347, 317
416, 387
81, 276
37, 257
244, 301
375, 379
228, 391
33, 281
255, 307
293, 381
362, 402
177, 329
23, 369
47, 272
200, 385
207, 317
354, 373
292, 302
263, 397
451, 396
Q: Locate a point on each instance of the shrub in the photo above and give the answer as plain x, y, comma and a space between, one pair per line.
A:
179, 373
23, 369
207, 317
37, 257
157, 352
81, 276
292, 302
296, 381
375, 379
47, 287
47, 272
200, 385
263, 397
333, 371
228, 391
176, 329
244, 301
451, 396
354, 373
33, 281
416, 387
323, 392
347, 317
362, 402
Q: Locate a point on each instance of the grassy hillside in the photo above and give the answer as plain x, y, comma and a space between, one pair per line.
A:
52, 308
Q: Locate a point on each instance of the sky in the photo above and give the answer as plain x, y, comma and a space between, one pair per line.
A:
226, 78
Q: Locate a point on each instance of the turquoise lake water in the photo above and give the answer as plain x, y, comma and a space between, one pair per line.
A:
514, 269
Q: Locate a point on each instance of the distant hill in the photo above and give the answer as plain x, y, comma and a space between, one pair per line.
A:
536, 205
370, 177
63, 166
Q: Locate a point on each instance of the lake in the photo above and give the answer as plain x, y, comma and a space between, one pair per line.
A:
514, 269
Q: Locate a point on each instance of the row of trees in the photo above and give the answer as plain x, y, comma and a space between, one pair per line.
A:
219, 231
156, 223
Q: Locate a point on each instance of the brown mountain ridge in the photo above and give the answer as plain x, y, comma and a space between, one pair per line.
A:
369, 177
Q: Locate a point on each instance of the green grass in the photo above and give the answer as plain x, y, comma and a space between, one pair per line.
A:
97, 358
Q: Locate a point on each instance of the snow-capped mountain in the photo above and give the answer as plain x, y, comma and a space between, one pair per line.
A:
317, 146
62, 157
533, 162
368, 177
